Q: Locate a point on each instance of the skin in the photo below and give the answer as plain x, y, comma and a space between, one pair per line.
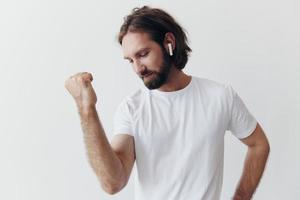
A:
133, 45
254, 165
113, 163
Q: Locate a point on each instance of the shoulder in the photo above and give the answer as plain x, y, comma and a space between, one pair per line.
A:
135, 97
211, 87
133, 100
215, 91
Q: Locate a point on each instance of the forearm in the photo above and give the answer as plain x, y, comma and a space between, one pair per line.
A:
253, 169
103, 160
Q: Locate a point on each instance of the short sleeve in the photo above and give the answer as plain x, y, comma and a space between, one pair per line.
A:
241, 122
122, 123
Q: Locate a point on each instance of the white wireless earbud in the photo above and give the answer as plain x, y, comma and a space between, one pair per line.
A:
170, 49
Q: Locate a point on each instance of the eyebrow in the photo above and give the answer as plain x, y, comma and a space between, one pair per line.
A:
139, 51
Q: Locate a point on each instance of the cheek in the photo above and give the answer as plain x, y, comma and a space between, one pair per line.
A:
153, 61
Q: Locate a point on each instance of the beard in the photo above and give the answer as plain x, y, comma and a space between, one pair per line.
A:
157, 79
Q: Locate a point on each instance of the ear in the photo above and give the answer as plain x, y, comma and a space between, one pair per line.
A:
169, 38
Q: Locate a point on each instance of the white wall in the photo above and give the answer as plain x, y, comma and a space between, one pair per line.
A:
253, 45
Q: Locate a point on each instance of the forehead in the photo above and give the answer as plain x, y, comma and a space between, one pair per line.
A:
134, 41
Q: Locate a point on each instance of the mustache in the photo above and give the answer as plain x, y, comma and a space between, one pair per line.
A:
146, 72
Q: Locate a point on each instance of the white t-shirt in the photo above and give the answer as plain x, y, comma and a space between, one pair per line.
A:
179, 138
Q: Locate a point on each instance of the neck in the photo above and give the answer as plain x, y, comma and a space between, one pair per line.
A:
177, 80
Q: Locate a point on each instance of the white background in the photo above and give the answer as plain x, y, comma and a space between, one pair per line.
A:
253, 45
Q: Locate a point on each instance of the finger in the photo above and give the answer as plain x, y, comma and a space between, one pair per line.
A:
87, 76
87, 83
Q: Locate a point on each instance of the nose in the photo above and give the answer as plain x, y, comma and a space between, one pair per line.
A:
139, 68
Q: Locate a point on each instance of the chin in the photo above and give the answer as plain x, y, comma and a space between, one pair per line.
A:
153, 84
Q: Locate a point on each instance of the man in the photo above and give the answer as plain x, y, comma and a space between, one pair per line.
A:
174, 127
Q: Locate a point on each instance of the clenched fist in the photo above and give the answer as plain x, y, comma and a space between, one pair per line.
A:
80, 87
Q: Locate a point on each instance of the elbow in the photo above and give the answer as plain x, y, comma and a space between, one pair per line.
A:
113, 188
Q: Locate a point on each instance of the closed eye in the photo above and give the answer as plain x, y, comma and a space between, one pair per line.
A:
143, 54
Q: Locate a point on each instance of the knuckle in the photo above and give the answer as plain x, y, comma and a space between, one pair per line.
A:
81, 77
78, 77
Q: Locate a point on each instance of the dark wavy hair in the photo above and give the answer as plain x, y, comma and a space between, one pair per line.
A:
157, 23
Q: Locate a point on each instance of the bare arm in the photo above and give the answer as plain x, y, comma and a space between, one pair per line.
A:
111, 163
257, 155
103, 160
